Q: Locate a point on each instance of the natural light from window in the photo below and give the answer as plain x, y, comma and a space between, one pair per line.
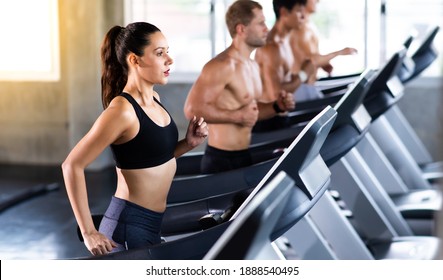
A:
30, 44
196, 29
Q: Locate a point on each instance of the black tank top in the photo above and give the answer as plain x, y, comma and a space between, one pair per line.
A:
153, 145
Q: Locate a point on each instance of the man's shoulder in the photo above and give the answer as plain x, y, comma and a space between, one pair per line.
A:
270, 51
271, 45
221, 62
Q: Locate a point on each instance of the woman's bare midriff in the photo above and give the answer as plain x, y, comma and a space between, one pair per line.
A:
147, 187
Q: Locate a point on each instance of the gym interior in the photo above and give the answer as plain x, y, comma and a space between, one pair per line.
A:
378, 200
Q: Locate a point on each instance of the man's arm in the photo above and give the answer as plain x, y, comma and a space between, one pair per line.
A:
268, 57
306, 40
325, 59
285, 102
207, 90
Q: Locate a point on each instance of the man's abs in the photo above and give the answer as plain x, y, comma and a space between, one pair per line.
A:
229, 137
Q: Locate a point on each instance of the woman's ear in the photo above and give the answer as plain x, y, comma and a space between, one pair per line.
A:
132, 59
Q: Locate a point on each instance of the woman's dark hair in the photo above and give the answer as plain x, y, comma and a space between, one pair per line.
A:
117, 44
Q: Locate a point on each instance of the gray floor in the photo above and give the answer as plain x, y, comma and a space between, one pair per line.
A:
43, 227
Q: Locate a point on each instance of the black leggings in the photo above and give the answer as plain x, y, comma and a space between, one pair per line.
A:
130, 225
215, 160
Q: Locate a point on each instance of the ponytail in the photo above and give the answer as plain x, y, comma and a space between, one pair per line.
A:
114, 73
118, 43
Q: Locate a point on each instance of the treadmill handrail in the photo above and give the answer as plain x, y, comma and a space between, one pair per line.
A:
250, 232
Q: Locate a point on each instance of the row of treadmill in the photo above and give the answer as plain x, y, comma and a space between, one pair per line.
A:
342, 177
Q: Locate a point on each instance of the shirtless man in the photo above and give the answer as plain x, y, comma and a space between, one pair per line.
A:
227, 91
277, 63
305, 43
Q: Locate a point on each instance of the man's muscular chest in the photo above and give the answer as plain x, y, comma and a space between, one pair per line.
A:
286, 57
246, 84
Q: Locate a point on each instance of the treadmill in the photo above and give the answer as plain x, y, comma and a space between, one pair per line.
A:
300, 161
418, 202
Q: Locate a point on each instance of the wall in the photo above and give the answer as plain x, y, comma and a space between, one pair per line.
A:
422, 106
41, 121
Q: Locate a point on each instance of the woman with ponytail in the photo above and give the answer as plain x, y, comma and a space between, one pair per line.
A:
143, 138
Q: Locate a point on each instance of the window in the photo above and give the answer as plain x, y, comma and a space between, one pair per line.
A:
334, 26
188, 26
341, 24
197, 31
416, 17
29, 48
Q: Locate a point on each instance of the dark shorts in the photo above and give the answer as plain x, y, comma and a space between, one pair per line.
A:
215, 160
274, 123
130, 225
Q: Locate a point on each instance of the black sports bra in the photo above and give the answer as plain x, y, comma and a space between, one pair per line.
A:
153, 145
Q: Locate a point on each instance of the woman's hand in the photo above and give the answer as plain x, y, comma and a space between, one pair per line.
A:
98, 244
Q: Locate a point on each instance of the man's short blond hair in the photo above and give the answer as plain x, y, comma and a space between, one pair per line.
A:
240, 12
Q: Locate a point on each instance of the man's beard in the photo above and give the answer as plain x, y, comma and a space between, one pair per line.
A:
256, 42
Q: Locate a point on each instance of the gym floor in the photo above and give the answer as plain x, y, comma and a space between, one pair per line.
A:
43, 227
